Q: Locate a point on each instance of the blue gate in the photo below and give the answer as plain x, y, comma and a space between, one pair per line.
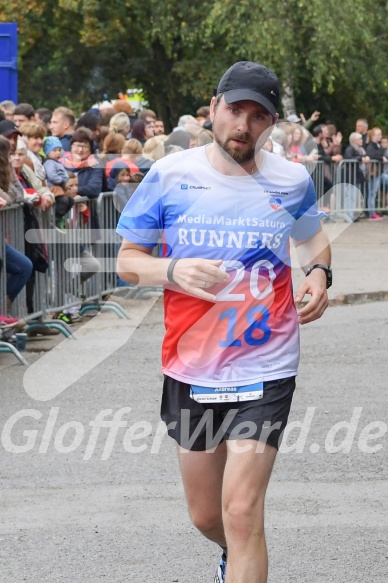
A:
9, 61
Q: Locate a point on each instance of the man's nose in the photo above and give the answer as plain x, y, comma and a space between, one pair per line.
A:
243, 123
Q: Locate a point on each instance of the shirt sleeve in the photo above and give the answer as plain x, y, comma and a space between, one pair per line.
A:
15, 188
141, 221
307, 217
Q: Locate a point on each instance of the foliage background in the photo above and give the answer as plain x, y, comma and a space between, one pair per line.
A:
330, 55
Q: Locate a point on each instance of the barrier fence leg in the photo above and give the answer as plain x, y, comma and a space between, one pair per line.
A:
7, 347
104, 306
64, 328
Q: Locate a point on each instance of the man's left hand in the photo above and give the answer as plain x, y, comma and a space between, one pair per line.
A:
314, 285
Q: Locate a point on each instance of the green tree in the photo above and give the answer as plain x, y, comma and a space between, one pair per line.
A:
320, 50
329, 55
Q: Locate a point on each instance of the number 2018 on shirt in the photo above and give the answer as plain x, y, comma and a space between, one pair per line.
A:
231, 314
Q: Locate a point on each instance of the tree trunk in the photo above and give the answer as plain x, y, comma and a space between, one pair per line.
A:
163, 87
288, 99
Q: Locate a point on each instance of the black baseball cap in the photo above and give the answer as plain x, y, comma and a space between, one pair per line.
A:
8, 127
252, 81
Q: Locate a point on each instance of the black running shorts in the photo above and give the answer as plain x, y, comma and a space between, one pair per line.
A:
203, 426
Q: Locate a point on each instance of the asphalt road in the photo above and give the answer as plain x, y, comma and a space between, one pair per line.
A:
70, 515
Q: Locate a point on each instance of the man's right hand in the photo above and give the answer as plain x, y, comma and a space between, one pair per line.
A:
315, 115
196, 275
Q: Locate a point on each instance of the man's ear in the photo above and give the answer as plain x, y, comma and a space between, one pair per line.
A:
213, 103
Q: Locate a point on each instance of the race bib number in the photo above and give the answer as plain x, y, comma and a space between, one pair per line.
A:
226, 394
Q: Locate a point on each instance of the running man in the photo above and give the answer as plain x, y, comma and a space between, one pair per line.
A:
226, 213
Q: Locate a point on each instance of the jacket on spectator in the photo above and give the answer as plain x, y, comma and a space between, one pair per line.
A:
352, 173
376, 154
37, 163
15, 192
55, 173
374, 151
89, 173
90, 182
34, 182
65, 141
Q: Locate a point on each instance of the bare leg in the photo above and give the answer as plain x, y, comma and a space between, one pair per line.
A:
246, 478
202, 475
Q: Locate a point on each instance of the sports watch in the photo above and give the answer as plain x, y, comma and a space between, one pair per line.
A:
326, 269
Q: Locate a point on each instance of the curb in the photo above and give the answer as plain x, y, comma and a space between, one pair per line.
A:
359, 298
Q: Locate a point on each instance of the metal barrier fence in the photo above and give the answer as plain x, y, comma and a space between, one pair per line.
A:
67, 250
82, 258
317, 173
111, 204
70, 257
75, 263
108, 212
11, 233
354, 189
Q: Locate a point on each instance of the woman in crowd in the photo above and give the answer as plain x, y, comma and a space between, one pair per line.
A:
153, 148
332, 148
104, 131
181, 138
32, 185
112, 152
18, 266
120, 124
38, 194
132, 150
33, 134
353, 176
86, 167
141, 131
296, 150
376, 154
112, 147
84, 164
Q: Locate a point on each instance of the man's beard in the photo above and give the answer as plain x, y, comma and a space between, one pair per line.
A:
239, 156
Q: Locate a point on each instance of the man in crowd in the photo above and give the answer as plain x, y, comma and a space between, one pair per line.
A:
362, 128
8, 108
159, 127
203, 114
147, 114
43, 116
23, 112
62, 126
230, 354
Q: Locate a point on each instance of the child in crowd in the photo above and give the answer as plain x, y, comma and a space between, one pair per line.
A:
121, 181
120, 173
71, 190
71, 187
57, 179
123, 176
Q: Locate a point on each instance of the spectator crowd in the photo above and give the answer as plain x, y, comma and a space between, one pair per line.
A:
51, 159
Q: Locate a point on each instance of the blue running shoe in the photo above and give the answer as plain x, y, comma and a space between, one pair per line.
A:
221, 570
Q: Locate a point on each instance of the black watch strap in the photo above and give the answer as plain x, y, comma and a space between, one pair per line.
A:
326, 269
170, 270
